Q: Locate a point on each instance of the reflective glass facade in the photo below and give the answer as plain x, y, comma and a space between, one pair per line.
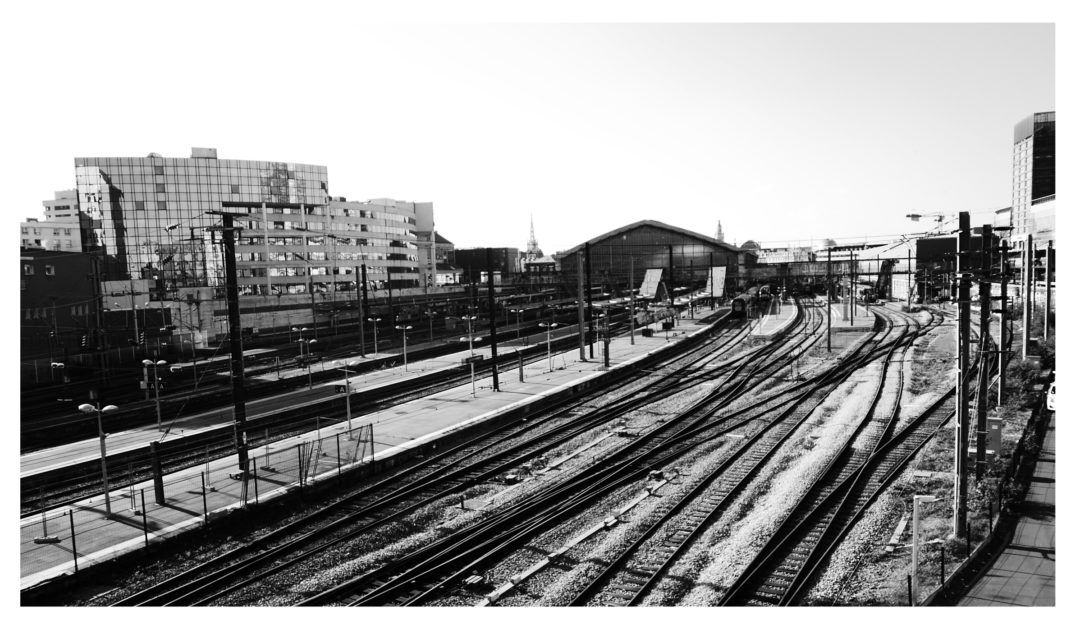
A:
295, 249
149, 215
1033, 168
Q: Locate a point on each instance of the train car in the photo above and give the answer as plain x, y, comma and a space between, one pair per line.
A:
738, 306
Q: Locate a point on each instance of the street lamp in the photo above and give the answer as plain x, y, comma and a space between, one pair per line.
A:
348, 404
596, 325
157, 386
90, 408
548, 326
375, 324
307, 363
472, 365
430, 327
404, 343
518, 312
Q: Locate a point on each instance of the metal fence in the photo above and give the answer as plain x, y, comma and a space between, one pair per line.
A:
65, 540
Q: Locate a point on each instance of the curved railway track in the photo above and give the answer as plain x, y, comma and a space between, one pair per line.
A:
794, 554
419, 485
425, 574
420, 581
75, 482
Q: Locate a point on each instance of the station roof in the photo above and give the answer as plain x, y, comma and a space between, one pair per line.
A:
658, 225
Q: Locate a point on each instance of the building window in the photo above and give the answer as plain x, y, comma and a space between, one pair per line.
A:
140, 205
50, 270
235, 188
159, 170
28, 269
160, 187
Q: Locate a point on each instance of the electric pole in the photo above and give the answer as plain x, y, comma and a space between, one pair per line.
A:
1003, 319
236, 347
963, 325
588, 295
1029, 267
984, 354
1046, 311
580, 306
828, 302
491, 323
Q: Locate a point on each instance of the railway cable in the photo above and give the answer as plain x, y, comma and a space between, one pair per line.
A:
148, 596
383, 587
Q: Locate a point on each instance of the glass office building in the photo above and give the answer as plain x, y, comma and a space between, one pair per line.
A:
149, 219
149, 215
1033, 173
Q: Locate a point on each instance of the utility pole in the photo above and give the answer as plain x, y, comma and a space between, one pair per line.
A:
390, 299
631, 299
851, 286
671, 281
1003, 317
909, 277
963, 326
984, 355
1029, 268
236, 348
580, 308
588, 294
712, 289
828, 302
491, 323
1046, 310
360, 308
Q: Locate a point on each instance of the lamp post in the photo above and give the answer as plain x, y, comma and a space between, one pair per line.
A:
472, 364
300, 338
90, 408
518, 312
430, 327
348, 403
596, 325
375, 324
307, 363
404, 343
548, 327
157, 399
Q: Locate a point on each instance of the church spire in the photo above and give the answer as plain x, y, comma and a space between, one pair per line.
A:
532, 249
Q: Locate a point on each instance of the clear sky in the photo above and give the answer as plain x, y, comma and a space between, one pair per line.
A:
783, 132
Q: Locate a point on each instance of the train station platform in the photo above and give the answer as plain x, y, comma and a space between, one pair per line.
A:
1023, 575
67, 539
777, 320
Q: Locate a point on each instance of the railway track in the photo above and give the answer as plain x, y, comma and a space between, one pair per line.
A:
784, 569
420, 576
395, 497
71, 483
672, 531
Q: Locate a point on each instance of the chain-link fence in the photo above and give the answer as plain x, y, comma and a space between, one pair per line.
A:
130, 516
